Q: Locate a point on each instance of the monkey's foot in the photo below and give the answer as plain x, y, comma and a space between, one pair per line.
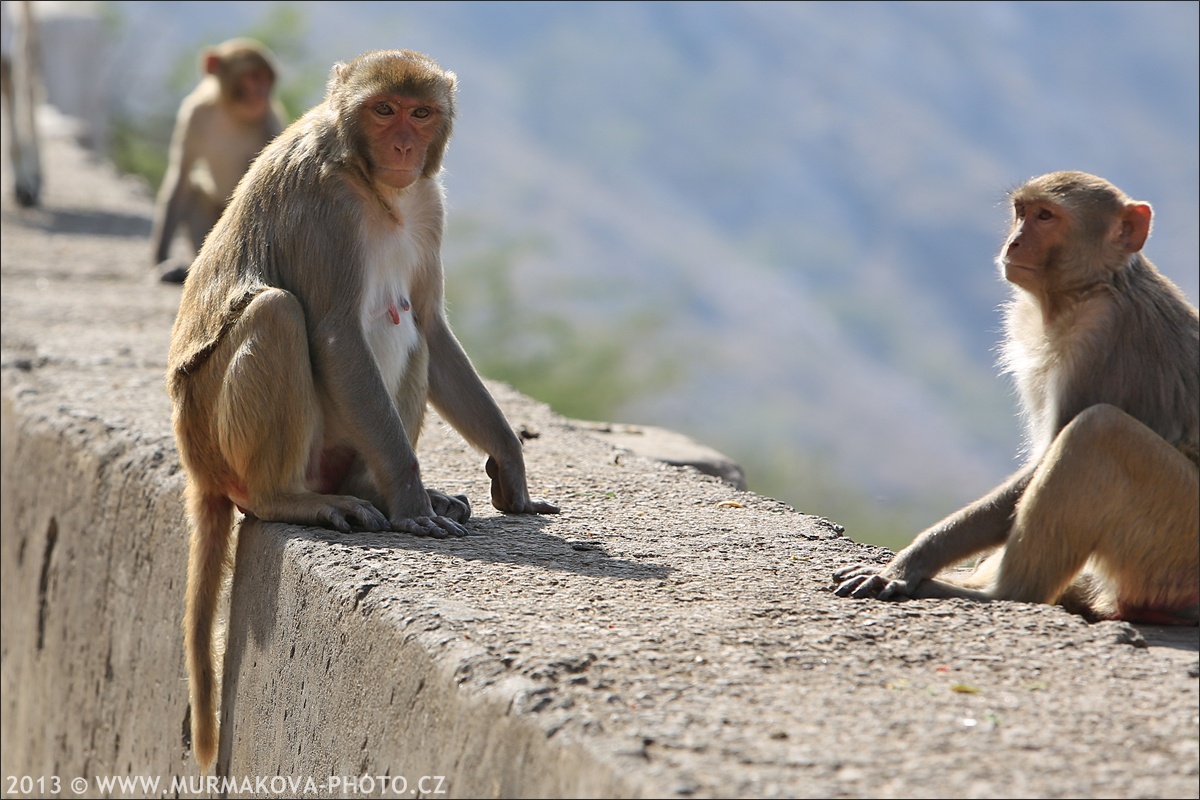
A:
174, 275
457, 507
26, 197
340, 512
435, 527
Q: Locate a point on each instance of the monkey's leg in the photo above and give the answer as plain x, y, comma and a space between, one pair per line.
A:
201, 215
21, 133
267, 416
1110, 489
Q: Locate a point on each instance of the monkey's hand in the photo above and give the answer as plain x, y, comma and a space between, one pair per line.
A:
510, 494
867, 580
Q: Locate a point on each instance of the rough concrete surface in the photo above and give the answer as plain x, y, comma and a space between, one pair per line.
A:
666, 635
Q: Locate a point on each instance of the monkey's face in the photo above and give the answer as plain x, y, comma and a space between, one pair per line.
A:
251, 93
399, 131
1039, 228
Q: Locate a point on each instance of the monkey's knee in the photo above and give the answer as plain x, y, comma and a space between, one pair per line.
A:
1096, 435
273, 305
272, 334
1098, 425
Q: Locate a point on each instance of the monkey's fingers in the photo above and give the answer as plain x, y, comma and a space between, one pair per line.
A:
861, 586
369, 517
451, 526
844, 588
523, 506
342, 513
342, 524
854, 571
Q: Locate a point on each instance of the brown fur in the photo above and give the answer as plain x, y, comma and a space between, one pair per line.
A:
312, 331
1105, 351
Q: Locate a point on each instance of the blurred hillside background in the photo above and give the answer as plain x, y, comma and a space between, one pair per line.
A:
768, 225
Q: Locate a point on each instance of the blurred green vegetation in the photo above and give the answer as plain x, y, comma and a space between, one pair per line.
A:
513, 334
803, 481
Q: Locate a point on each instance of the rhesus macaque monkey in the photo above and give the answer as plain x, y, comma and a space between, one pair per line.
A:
1104, 519
221, 126
20, 85
311, 332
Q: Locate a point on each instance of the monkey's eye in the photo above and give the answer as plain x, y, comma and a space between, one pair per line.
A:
1019, 210
384, 110
1045, 214
421, 112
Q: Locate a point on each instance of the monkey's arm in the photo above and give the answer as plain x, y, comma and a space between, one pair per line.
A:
983, 524
346, 371
458, 393
170, 207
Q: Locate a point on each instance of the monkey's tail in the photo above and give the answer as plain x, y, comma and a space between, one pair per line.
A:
212, 518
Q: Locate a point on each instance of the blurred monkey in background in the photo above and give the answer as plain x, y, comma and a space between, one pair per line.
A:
221, 126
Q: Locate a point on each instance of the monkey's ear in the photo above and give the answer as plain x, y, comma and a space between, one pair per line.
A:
1135, 226
210, 62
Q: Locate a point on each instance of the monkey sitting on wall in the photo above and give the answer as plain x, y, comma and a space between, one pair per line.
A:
1104, 519
311, 332
221, 126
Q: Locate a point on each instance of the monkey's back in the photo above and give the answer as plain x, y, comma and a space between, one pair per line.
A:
271, 235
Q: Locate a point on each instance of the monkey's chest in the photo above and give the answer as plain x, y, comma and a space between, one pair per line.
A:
392, 334
393, 255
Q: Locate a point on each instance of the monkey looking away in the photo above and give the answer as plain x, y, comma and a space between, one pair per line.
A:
311, 333
1104, 518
